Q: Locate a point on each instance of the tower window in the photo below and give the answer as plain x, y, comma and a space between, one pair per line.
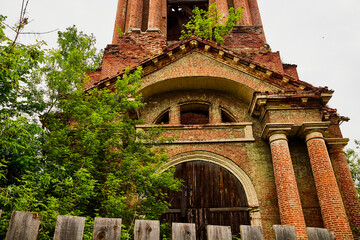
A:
178, 13
194, 113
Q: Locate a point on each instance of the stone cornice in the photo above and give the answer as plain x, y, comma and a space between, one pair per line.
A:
337, 142
271, 128
263, 102
307, 128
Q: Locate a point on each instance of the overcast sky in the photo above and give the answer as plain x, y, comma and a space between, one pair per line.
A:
321, 36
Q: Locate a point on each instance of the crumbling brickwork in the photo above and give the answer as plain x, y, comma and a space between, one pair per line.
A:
241, 102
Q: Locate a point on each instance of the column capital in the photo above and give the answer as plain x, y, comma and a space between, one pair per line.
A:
274, 128
308, 128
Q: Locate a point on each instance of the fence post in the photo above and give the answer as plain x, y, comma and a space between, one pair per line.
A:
248, 232
284, 232
183, 231
107, 228
69, 227
147, 230
319, 234
218, 232
23, 226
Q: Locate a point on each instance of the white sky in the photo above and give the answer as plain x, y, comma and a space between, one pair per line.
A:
321, 36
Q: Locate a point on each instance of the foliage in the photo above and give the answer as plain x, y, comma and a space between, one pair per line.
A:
353, 157
87, 158
211, 24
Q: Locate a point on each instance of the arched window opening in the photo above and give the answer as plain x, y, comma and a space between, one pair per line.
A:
164, 118
194, 113
226, 117
178, 13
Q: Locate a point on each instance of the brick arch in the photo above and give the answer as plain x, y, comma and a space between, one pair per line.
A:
228, 164
198, 82
199, 71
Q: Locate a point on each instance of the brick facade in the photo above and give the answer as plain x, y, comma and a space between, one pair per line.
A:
240, 102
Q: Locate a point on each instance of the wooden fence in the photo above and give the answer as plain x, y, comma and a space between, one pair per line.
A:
25, 226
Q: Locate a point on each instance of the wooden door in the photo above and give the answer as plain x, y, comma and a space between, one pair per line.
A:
211, 195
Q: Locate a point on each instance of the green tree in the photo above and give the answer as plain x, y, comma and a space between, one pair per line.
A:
353, 157
20, 100
88, 158
211, 24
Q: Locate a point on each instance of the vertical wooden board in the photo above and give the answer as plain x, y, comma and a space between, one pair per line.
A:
248, 232
218, 232
107, 229
284, 232
319, 234
147, 230
0, 212
23, 226
69, 227
183, 231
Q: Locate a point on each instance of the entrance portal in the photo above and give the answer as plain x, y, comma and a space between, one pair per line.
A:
211, 195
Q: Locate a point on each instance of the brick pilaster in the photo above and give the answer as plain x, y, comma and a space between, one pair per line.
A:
287, 191
332, 207
154, 14
222, 6
346, 185
134, 14
120, 19
246, 16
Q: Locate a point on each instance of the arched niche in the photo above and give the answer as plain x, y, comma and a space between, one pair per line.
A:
196, 83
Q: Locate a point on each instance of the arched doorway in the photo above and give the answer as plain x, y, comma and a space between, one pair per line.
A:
211, 195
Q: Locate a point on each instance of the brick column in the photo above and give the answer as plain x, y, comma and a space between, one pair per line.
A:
154, 15
134, 15
287, 192
346, 184
246, 16
332, 207
120, 19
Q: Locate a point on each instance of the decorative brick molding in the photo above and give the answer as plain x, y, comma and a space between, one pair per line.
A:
332, 207
229, 165
291, 212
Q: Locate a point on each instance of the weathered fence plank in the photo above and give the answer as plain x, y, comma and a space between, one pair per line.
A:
248, 232
107, 228
218, 232
69, 227
23, 226
0, 212
319, 234
147, 230
284, 232
183, 231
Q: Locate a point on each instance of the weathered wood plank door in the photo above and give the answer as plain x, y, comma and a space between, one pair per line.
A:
211, 195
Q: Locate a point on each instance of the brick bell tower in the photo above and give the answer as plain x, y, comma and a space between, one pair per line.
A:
255, 145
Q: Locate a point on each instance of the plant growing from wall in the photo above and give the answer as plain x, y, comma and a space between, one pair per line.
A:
211, 24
